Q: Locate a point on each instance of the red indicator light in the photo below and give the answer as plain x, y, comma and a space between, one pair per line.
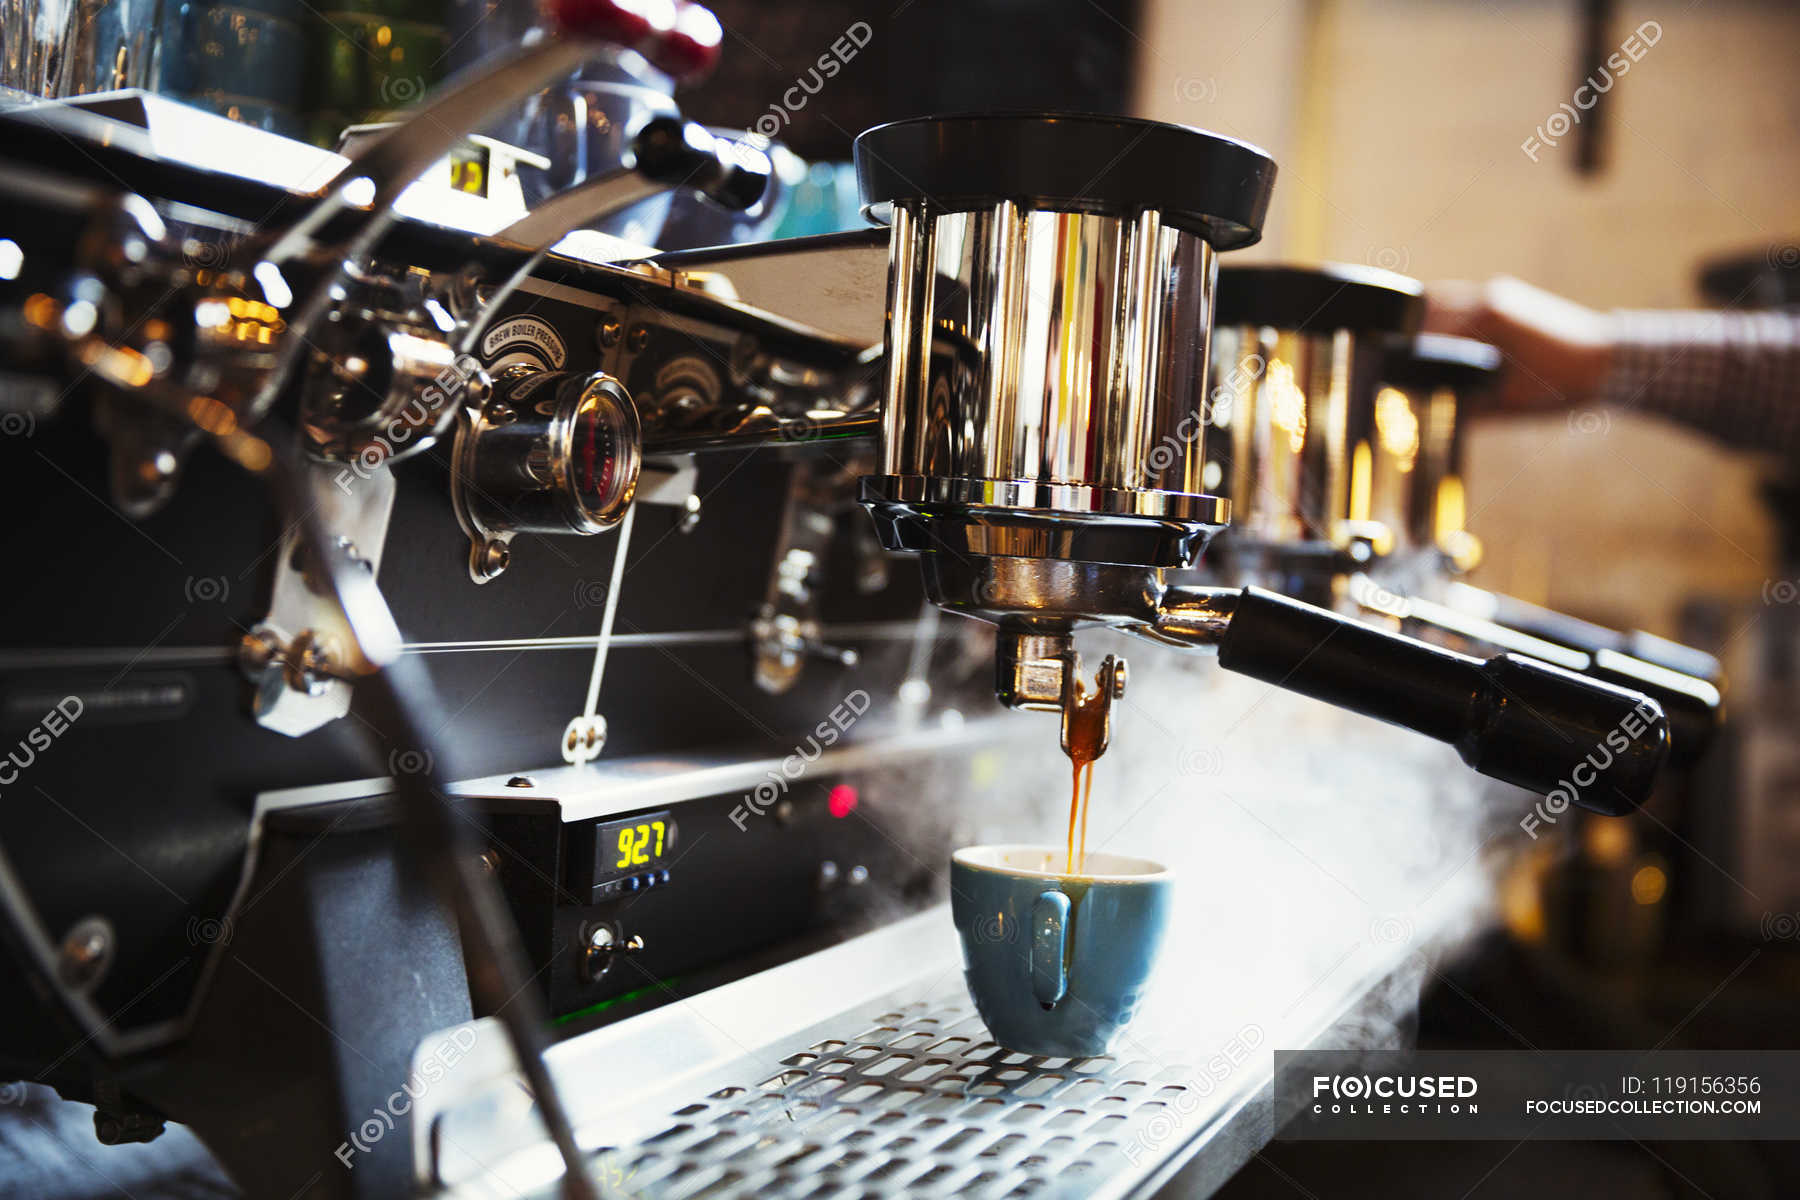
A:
842, 800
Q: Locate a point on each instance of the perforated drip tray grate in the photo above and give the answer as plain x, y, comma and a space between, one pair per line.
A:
920, 1102
862, 1071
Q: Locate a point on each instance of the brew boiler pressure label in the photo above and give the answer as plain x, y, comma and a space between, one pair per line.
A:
1430, 1095
524, 340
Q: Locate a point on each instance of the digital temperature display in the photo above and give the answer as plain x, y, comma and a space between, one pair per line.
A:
469, 169
633, 846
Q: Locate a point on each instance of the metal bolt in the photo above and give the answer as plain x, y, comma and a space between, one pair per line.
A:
859, 875
597, 957
258, 648
494, 558
640, 337
1118, 679
490, 862
348, 549
306, 664
608, 332
86, 949
498, 413
521, 781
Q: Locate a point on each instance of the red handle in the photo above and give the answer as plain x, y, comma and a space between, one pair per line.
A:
680, 39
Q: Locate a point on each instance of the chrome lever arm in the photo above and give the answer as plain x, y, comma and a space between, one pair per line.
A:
391, 163
680, 38
667, 153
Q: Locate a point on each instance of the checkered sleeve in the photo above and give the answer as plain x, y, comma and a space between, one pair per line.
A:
1734, 375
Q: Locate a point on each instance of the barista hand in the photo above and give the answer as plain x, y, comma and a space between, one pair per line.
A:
1733, 374
1557, 353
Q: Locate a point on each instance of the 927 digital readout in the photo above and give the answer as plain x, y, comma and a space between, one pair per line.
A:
633, 844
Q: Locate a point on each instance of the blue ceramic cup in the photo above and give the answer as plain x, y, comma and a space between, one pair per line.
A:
1057, 963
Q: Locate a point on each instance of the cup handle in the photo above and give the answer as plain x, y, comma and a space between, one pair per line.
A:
1049, 939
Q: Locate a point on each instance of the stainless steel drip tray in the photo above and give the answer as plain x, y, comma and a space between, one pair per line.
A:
822, 1078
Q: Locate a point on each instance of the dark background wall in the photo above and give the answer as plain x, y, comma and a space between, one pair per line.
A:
922, 56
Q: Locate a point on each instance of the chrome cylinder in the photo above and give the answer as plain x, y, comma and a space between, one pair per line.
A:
1417, 483
1047, 360
1405, 440
1051, 286
1315, 469
1280, 449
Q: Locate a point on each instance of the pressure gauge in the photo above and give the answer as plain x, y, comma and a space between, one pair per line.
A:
551, 452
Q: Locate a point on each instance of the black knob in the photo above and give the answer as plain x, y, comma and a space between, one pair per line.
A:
1215, 187
681, 153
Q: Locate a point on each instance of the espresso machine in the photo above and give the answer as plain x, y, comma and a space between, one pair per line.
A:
372, 434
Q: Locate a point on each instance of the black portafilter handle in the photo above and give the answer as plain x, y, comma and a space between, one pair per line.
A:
1592, 639
1693, 706
1511, 718
678, 153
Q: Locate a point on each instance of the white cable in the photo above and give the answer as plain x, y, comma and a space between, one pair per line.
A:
585, 736
611, 610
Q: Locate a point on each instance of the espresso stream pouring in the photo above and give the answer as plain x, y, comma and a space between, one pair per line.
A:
1086, 731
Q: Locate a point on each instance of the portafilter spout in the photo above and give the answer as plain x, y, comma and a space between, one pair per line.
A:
1050, 296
